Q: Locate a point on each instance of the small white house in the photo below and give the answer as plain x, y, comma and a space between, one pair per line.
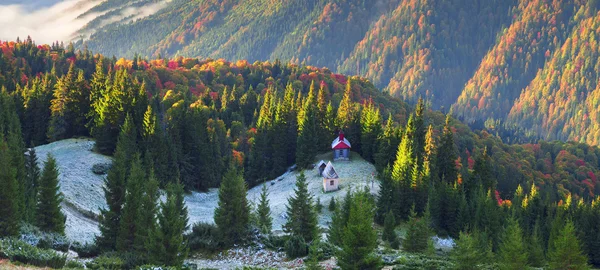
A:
331, 179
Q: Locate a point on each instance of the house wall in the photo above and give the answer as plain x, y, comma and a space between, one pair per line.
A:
327, 186
341, 154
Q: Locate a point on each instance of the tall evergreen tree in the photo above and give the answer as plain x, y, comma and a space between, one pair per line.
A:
49, 216
232, 213
389, 233
386, 196
115, 187
446, 155
387, 146
146, 222
371, 130
467, 254
339, 221
360, 239
31, 185
402, 172
567, 252
513, 252
9, 212
302, 217
170, 245
345, 109
417, 235
307, 128
265, 222
130, 213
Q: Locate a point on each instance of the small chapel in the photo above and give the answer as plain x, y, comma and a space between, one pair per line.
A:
341, 148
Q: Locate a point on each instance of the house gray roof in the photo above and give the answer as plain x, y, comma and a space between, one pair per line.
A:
330, 172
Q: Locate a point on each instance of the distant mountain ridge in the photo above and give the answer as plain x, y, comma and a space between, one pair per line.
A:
481, 60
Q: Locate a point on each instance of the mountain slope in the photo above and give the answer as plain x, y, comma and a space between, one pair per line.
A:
511, 64
479, 58
562, 101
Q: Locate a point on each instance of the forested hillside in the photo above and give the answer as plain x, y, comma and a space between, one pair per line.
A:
178, 123
480, 60
210, 112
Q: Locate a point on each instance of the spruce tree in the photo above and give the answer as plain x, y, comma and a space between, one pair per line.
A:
466, 253
31, 185
535, 247
131, 214
332, 205
146, 222
307, 129
385, 198
339, 220
513, 252
389, 233
115, 187
301, 214
371, 130
417, 235
567, 252
402, 172
265, 221
232, 213
170, 247
9, 212
446, 155
360, 239
49, 216
345, 109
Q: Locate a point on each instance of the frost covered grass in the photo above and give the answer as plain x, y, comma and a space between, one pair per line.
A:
82, 189
354, 175
84, 196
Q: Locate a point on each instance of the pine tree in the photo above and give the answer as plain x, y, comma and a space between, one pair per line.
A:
567, 252
402, 172
265, 221
307, 128
31, 185
146, 222
302, 217
536, 250
371, 130
9, 212
466, 253
513, 252
387, 147
339, 220
389, 234
232, 213
385, 198
417, 235
170, 245
115, 187
130, 213
360, 239
49, 216
446, 155
332, 205
420, 131
345, 109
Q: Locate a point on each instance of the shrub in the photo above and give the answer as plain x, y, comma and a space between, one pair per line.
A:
87, 250
204, 236
296, 247
422, 262
74, 265
20, 251
33, 236
107, 262
275, 242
